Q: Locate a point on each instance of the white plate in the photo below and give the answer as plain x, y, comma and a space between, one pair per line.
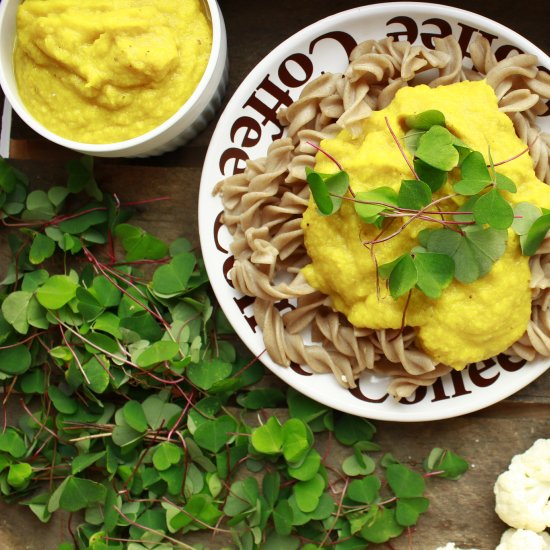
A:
307, 54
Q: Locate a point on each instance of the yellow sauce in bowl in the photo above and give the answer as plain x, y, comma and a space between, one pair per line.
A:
469, 322
103, 71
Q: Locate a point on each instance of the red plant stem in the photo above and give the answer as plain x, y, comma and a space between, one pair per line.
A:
58, 219
249, 364
401, 148
428, 219
70, 529
146, 201
203, 414
54, 454
434, 473
103, 270
106, 367
143, 262
142, 456
408, 211
185, 462
27, 410
28, 339
104, 351
338, 512
39, 450
48, 409
158, 378
411, 219
183, 412
328, 155
75, 356
152, 311
111, 246
210, 527
511, 158
154, 531
5, 404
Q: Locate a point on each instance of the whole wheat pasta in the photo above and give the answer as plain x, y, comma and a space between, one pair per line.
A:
263, 208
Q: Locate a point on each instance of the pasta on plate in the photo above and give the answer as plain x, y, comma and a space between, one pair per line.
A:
263, 208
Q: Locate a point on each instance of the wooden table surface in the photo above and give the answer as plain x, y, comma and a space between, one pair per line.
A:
462, 512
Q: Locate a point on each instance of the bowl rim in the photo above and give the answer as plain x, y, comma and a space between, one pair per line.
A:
18, 106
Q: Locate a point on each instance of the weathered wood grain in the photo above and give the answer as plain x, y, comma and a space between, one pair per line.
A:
459, 511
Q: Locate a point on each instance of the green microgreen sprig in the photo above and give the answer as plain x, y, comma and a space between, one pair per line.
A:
471, 238
129, 404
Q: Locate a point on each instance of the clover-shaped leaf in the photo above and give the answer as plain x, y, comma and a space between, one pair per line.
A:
492, 209
531, 241
327, 189
166, 454
364, 490
445, 463
434, 177
268, 439
414, 195
369, 204
382, 527
425, 120
474, 251
405, 483
408, 510
436, 148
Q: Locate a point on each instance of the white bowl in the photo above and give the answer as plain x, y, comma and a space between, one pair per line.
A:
184, 125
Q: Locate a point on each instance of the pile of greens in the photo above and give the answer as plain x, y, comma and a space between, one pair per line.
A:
128, 403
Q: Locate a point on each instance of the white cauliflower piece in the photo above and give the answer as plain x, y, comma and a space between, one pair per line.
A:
522, 492
522, 539
451, 546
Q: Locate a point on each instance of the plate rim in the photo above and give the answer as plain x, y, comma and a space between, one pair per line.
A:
453, 408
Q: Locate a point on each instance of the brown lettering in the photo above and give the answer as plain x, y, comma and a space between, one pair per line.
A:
227, 267
503, 51
466, 36
356, 392
346, 40
242, 303
508, 365
296, 59
458, 387
269, 112
252, 133
477, 378
439, 391
410, 33
458, 384
299, 370
418, 395
444, 30
237, 155
464, 39
217, 227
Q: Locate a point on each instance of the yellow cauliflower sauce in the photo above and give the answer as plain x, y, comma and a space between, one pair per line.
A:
469, 322
102, 71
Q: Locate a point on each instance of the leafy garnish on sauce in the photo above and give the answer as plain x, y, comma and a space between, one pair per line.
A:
470, 238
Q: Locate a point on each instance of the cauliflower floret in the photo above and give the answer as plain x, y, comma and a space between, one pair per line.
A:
451, 546
523, 539
522, 492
